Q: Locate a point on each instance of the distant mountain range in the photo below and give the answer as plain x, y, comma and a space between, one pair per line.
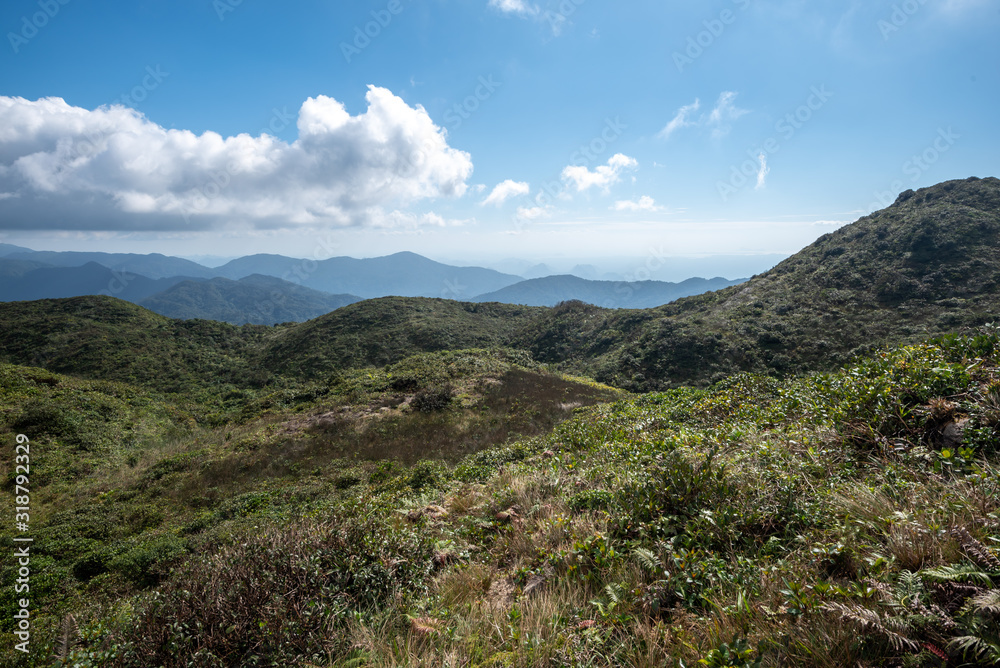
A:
552, 290
399, 275
269, 289
153, 265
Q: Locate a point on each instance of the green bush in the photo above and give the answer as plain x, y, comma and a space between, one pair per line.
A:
591, 499
280, 596
145, 563
433, 399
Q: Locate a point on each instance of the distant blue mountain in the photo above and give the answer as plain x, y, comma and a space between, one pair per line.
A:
25, 281
400, 275
269, 288
7, 249
153, 265
551, 290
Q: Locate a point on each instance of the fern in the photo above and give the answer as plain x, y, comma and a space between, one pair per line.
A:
648, 560
985, 603
68, 638
869, 621
976, 551
976, 647
614, 592
909, 587
959, 573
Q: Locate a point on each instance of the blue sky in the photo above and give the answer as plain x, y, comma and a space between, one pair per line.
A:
477, 130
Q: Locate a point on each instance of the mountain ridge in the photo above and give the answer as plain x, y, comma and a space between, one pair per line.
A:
405, 274
924, 266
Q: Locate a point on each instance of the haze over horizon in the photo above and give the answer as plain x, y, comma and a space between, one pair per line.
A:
477, 132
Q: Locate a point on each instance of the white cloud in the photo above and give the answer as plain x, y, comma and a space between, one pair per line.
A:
506, 190
719, 120
680, 120
602, 177
645, 203
725, 112
530, 213
763, 171
514, 7
527, 10
406, 220
112, 168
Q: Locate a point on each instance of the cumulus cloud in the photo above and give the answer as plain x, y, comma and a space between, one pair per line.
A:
719, 120
112, 168
602, 177
645, 203
506, 190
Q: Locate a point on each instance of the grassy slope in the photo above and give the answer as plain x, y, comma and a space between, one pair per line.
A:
125, 483
825, 521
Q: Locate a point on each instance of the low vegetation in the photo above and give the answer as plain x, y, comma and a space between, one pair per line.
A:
847, 518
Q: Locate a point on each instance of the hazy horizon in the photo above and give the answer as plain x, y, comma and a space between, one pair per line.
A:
655, 266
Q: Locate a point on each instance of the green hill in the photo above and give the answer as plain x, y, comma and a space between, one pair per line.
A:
110, 339
382, 331
127, 483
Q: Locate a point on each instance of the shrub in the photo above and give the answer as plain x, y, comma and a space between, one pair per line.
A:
144, 564
432, 399
592, 499
279, 597
427, 474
